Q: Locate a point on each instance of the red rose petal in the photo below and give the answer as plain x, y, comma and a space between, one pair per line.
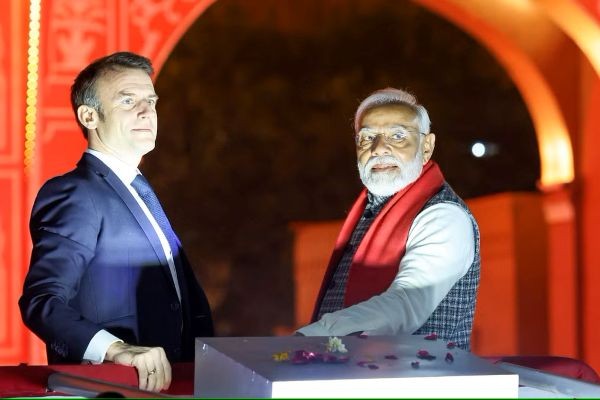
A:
424, 355
451, 345
415, 364
373, 366
449, 358
300, 357
391, 357
431, 336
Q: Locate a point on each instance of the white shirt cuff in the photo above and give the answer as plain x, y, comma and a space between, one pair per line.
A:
96, 350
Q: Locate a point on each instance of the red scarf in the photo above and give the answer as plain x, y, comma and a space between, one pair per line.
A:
376, 261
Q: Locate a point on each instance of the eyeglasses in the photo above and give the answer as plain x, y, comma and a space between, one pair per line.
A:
395, 135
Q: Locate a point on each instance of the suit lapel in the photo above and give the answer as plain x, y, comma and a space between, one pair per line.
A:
105, 172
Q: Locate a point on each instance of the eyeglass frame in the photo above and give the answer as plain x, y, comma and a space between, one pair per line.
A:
387, 133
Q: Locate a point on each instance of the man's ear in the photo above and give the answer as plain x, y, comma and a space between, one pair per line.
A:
428, 146
87, 116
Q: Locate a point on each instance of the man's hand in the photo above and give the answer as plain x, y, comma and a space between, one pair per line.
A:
154, 370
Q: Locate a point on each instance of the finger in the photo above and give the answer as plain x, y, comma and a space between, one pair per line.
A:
142, 375
166, 370
160, 380
163, 371
150, 365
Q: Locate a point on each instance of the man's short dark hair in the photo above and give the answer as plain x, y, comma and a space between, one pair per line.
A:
83, 91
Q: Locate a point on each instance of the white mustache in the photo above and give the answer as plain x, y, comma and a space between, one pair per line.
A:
387, 160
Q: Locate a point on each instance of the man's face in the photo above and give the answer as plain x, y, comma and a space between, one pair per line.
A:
127, 128
390, 149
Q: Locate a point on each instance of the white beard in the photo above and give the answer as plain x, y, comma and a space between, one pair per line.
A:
387, 183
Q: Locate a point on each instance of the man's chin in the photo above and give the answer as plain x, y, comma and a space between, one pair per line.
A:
384, 189
146, 147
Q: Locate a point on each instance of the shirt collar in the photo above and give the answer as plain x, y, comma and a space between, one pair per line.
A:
125, 172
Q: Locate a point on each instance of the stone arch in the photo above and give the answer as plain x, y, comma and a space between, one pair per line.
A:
154, 28
556, 154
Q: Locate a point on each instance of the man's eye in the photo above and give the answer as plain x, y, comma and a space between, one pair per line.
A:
398, 136
152, 102
127, 100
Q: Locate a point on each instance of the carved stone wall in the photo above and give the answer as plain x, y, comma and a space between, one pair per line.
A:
13, 35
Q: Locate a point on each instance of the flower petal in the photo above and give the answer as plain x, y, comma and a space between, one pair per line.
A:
424, 355
449, 358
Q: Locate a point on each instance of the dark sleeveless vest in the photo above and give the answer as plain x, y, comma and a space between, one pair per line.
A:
452, 320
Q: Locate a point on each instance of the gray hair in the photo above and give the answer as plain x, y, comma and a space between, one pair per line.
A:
390, 96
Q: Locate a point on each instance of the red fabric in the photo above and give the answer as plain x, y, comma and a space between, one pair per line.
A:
376, 261
24, 380
564, 366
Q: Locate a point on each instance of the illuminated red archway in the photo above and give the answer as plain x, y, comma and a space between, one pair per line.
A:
153, 28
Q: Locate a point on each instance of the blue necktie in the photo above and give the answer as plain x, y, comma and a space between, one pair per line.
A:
142, 186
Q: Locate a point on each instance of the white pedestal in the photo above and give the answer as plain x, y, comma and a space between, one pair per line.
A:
244, 367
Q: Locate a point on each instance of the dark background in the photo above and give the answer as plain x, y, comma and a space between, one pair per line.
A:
255, 131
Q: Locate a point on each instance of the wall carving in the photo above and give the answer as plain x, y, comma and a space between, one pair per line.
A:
4, 137
77, 29
11, 276
153, 20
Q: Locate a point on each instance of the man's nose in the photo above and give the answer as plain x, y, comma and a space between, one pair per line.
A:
380, 146
144, 109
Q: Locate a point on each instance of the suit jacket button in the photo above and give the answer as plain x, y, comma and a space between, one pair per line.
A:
175, 306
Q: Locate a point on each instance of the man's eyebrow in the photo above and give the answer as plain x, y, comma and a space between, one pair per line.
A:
123, 93
126, 92
388, 126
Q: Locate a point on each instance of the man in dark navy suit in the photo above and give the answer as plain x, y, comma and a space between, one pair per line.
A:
108, 279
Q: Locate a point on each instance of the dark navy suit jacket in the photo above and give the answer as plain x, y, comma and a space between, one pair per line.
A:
97, 263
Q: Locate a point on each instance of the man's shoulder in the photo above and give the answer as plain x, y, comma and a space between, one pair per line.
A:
87, 172
445, 194
447, 202
82, 181
73, 181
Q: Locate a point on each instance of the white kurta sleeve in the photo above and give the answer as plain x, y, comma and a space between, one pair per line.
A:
439, 251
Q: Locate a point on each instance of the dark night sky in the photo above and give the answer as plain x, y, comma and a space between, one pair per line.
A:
255, 131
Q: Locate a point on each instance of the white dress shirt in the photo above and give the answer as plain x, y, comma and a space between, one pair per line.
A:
96, 349
439, 251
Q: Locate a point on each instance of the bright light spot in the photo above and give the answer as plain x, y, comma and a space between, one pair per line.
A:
478, 149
